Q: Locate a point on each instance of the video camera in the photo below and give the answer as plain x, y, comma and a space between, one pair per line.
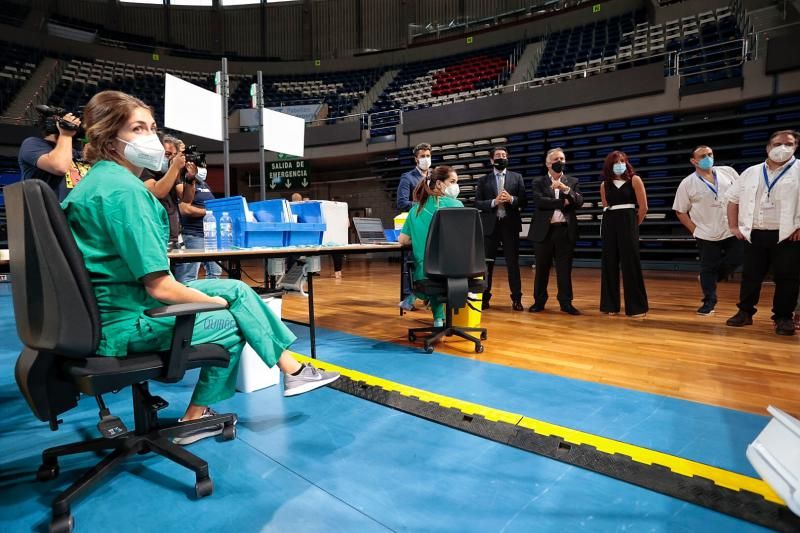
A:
50, 118
193, 155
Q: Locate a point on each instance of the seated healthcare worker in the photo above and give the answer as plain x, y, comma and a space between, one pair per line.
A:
440, 189
121, 228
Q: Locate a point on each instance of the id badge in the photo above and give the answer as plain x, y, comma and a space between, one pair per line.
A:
716, 204
768, 204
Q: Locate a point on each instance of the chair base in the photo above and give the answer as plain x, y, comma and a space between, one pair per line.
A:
436, 334
149, 436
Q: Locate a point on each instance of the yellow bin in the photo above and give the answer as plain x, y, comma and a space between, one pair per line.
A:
400, 220
470, 315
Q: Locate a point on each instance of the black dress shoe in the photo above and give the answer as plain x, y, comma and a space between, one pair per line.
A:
570, 310
485, 304
536, 308
517, 306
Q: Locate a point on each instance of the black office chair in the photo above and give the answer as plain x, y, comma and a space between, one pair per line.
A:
454, 259
58, 322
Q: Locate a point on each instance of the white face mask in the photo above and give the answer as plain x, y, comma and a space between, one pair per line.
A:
202, 173
165, 165
781, 154
452, 190
424, 163
144, 152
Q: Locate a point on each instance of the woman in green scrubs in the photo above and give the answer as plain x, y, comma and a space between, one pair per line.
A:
121, 229
440, 189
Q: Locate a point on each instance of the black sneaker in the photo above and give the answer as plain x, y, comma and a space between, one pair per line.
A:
706, 309
740, 319
784, 326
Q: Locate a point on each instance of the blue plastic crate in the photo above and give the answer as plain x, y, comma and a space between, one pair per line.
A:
305, 234
265, 234
269, 210
308, 212
235, 207
392, 235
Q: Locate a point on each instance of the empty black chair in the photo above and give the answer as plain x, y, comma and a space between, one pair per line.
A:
454, 260
59, 323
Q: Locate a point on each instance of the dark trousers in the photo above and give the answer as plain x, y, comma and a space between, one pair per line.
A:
559, 248
621, 252
718, 260
507, 233
764, 251
338, 259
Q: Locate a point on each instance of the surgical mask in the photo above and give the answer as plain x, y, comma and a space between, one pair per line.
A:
500, 164
202, 173
424, 163
165, 165
620, 168
145, 152
706, 163
558, 167
452, 190
781, 154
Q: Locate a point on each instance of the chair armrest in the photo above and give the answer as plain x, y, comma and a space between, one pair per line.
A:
185, 315
182, 309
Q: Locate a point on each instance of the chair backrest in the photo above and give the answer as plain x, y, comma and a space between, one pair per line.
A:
54, 304
455, 244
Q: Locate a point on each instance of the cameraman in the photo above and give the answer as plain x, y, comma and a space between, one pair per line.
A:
51, 157
169, 184
192, 213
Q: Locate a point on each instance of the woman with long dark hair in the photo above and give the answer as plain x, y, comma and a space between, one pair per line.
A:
621, 192
439, 189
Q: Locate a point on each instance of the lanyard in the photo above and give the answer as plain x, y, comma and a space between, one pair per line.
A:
712, 188
766, 178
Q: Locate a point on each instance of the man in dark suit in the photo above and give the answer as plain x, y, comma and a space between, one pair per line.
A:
405, 199
554, 231
500, 196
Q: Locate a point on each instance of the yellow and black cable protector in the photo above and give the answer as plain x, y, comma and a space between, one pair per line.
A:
724, 491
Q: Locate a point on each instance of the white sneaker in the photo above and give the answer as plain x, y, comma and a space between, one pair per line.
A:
308, 379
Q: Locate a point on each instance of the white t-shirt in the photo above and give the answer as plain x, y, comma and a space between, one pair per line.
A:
558, 216
707, 210
784, 201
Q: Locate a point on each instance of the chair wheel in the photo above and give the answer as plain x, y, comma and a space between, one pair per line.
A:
47, 472
412, 337
479, 348
204, 487
429, 349
229, 432
62, 524
484, 336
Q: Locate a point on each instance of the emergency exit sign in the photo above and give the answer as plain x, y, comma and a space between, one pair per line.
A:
596, 8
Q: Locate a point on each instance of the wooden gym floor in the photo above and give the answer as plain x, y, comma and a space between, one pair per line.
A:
673, 351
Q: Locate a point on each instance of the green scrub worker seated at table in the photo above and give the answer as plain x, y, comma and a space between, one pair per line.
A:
440, 189
121, 230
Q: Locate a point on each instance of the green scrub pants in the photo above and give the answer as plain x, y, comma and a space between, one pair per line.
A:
247, 319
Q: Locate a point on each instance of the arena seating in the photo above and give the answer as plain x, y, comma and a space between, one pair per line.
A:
658, 147
341, 90
17, 64
450, 79
83, 78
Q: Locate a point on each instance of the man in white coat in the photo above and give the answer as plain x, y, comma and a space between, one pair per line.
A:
700, 206
764, 210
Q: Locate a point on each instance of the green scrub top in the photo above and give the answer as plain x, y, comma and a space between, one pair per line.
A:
417, 225
121, 229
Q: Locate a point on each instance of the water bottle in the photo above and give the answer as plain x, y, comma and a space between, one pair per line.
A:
225, 232
209, 231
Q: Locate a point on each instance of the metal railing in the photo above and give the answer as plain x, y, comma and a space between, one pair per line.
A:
590, 71
683, 60
463, 24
